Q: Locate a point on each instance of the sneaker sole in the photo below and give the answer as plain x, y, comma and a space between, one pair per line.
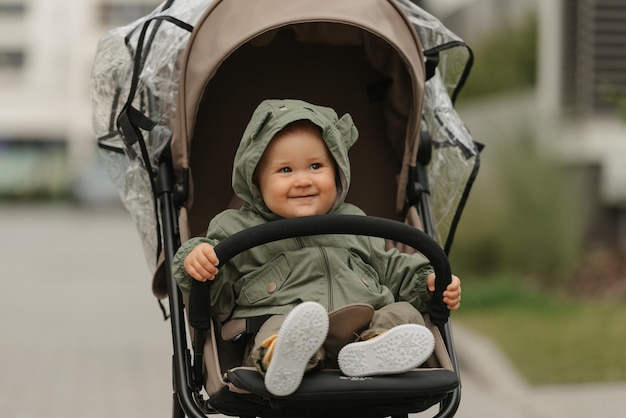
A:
398, 350
302, 333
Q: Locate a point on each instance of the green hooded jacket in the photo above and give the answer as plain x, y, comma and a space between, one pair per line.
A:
333, 270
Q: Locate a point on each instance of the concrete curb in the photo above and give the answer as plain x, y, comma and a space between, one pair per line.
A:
491, 383
484, 365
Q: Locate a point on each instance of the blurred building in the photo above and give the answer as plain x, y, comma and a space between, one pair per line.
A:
46, 52
47, 49
582, 94
579, 107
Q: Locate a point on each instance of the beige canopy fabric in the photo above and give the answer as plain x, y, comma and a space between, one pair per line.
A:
361, 57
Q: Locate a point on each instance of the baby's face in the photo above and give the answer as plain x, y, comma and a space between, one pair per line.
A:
296, 175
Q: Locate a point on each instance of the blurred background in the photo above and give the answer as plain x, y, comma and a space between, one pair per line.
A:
541, 247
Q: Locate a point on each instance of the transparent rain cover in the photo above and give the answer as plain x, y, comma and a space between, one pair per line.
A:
455, 154
156, 97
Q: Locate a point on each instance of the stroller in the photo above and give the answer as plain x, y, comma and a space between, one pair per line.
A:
172, 93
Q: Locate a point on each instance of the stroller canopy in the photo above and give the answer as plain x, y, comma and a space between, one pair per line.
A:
360, 57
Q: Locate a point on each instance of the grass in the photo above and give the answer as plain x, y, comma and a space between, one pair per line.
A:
549, 339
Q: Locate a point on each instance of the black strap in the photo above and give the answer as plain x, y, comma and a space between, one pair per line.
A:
131, 121
431, 63
254, 323
166, 315
430, 53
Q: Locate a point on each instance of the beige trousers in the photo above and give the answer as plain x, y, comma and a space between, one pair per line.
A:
384, 319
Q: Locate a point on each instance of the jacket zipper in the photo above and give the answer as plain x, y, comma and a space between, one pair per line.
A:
326, 265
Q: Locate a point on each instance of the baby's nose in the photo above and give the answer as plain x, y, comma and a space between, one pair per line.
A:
303, 180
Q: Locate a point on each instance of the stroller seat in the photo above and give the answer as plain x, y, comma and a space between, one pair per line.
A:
341, 395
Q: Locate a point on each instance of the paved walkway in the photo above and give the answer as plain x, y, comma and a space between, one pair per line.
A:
82, 336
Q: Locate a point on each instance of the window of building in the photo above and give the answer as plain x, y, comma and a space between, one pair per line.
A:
33, 167
11, 60
12, 9
594, 61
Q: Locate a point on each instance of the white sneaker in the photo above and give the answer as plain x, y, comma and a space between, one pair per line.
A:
398, 350
302, 333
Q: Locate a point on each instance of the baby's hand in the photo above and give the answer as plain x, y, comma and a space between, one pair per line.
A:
452, 294
201, 263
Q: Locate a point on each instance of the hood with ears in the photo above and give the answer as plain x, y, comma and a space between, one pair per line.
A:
270, 117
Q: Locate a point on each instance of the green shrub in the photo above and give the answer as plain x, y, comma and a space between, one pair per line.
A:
505, 61
522, 220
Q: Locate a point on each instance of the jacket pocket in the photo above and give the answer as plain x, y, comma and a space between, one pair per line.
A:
366, 274
265, 281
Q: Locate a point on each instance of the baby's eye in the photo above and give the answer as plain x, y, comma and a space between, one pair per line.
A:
316, 166
284, 170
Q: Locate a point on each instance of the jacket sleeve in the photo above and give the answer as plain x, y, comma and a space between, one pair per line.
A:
178, 269
404, 274
222, 292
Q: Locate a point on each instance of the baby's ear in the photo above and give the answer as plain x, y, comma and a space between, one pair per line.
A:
257, 122
348, 131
